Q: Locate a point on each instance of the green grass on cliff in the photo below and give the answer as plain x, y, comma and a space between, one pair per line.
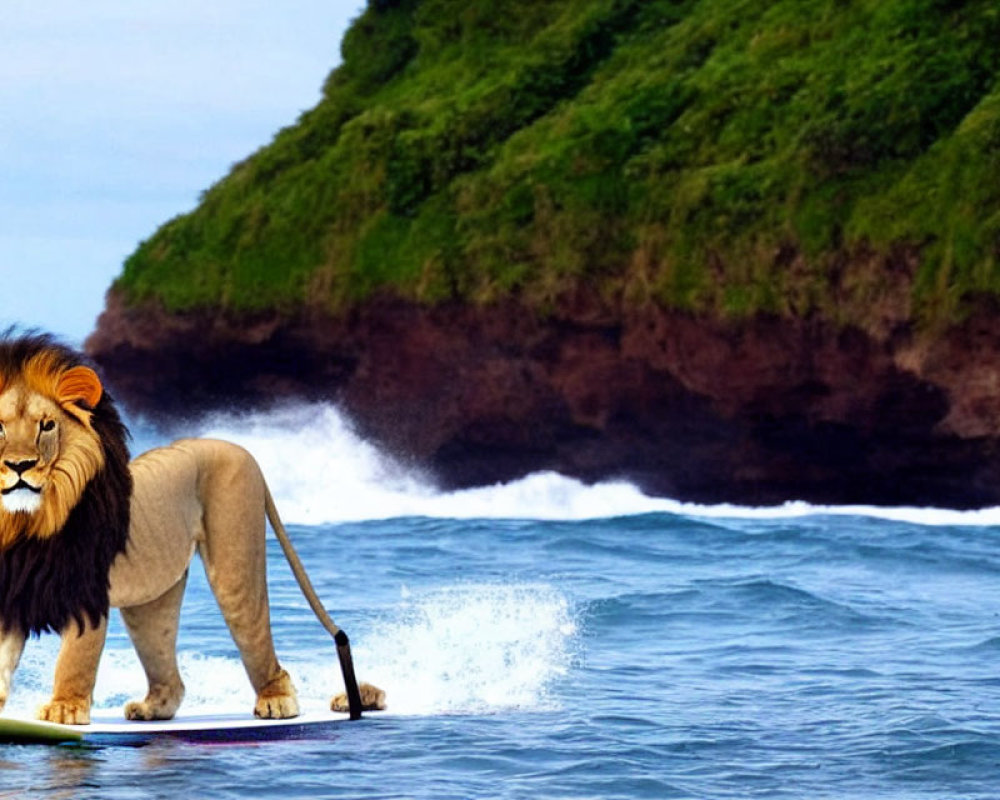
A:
723, 156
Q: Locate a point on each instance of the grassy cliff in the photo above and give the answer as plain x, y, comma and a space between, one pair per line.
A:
728, 157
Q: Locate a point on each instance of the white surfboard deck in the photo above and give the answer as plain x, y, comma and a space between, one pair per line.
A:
218, 728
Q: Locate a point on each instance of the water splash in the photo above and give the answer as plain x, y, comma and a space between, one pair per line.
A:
478, 648
321, 471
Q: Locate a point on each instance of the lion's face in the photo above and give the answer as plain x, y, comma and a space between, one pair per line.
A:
49, 451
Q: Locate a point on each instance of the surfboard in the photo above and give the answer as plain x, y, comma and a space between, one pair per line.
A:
208, 728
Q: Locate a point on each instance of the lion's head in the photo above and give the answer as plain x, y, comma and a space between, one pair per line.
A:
64, 485
49, 450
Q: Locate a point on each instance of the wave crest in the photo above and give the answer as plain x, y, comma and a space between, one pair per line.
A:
322, 471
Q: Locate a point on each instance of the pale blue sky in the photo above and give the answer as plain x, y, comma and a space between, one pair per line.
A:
116, 114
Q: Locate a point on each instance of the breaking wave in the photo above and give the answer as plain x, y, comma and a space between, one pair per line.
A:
322, 471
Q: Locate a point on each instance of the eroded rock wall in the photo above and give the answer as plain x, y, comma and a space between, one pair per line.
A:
754, 411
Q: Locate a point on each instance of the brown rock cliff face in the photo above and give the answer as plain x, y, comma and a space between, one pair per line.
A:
757, 411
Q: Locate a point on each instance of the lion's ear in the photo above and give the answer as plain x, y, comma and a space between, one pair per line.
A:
80, 384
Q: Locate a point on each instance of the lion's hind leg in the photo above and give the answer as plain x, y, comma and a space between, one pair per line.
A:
153, 629
277, 700
234, 552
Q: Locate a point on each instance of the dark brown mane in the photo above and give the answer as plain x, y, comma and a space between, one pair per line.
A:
47, 583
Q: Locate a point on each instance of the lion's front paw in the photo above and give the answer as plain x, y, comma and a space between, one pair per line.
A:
372, 699
277, 700
66, 712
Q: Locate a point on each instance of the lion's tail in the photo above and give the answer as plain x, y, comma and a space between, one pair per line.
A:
299, 571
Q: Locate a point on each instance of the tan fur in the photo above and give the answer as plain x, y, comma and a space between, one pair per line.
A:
195, 495
76, 673
206, 496
67, 456
372, 699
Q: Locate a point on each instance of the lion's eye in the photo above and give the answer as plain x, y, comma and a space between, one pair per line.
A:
48, 425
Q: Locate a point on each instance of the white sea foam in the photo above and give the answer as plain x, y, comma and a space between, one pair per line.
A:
476, 648
322, 471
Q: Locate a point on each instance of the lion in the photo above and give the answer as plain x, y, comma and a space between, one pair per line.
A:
83, 530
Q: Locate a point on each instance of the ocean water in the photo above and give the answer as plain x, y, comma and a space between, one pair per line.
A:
546, 639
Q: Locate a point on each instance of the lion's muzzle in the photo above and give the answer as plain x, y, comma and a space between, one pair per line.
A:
22, 496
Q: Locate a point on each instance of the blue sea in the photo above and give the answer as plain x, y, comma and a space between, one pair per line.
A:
546, 639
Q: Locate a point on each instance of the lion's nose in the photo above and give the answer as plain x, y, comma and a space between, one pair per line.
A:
20, 467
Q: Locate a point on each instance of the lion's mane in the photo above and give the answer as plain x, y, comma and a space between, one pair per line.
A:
45, 583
